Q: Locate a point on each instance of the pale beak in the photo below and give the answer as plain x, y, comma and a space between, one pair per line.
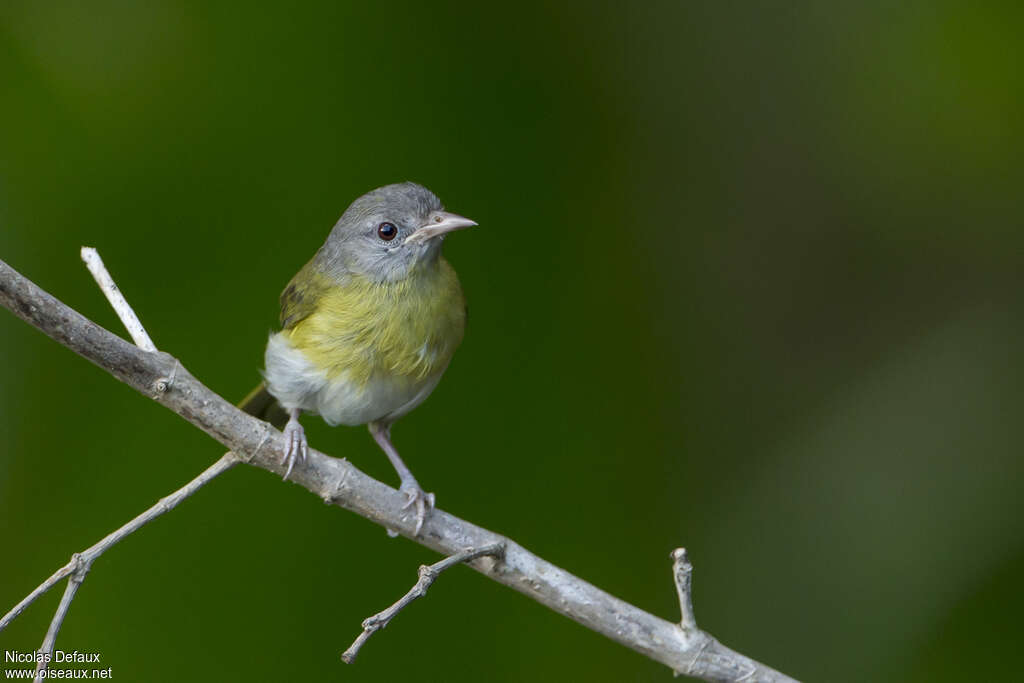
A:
440, 223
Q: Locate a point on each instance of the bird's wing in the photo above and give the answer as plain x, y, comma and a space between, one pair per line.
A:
302, 295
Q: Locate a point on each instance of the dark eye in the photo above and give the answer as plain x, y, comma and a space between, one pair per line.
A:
387, 231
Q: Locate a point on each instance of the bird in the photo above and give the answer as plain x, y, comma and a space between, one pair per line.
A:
368, 327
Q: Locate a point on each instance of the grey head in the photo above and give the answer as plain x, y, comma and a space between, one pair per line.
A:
387, 232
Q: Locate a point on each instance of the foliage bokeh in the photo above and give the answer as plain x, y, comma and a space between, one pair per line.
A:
747, 279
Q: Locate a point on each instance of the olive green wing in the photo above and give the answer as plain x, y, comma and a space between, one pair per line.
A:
302, 296
298, 301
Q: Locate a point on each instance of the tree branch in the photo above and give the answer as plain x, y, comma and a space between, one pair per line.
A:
81, 562
159, 376
131, 322
428, 574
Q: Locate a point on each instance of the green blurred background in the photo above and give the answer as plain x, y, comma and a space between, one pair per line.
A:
748, 280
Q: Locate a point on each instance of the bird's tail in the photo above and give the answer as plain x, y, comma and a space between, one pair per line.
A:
259, 403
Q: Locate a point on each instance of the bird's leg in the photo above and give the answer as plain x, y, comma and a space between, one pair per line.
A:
417, 497
296, 437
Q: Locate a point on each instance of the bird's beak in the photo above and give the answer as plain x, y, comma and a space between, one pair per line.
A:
440, 223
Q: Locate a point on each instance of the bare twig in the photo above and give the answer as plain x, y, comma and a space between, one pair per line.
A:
428, 574
705, 647
40, 590
81, 562
131, 321
337, 482
682, 572
74, 582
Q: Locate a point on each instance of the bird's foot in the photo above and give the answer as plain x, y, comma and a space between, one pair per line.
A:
417, 499
297, 445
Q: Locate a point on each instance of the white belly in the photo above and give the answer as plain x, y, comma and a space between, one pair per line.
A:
296, 383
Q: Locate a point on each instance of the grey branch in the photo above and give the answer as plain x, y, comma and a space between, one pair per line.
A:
159, 376
682, 572
131, 322
80, 563
428, 574
744, 668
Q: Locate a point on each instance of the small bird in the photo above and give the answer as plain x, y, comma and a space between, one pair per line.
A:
369, 325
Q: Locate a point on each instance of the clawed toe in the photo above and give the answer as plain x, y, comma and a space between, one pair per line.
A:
297, 445
419, 499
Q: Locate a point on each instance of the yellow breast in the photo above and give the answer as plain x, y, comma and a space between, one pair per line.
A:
405, 330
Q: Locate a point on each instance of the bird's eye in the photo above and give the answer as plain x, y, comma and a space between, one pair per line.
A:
387, 231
